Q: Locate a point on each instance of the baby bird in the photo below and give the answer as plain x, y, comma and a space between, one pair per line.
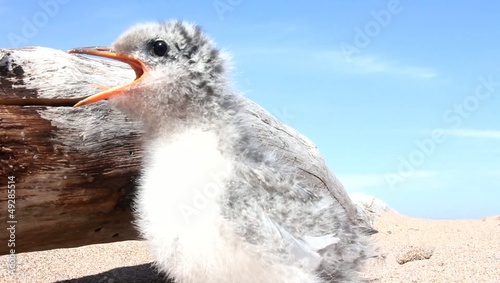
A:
228, 193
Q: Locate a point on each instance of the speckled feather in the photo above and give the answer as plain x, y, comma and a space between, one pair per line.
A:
273, 211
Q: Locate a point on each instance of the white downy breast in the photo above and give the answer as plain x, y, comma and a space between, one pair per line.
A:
182, 179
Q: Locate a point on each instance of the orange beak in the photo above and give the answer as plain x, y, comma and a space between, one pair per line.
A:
139, 67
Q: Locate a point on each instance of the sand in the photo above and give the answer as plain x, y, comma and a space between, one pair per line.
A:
410, 250
450, 250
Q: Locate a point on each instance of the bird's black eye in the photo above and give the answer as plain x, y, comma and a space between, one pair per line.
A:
160, 47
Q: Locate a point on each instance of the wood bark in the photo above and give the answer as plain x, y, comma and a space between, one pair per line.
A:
74, 169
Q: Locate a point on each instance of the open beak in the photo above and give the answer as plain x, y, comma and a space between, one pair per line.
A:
139, 67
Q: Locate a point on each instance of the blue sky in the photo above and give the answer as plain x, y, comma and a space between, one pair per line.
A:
401, 97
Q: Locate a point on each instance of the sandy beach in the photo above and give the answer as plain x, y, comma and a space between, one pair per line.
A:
410, 250
457, 250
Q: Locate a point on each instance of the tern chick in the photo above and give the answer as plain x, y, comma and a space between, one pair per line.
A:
228, 193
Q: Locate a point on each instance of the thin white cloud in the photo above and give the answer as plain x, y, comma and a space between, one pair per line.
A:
375, 65
336, 61
471, 133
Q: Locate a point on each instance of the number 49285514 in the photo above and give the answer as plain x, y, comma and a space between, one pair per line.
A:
11, 196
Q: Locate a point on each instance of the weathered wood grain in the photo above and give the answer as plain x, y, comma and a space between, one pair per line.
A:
74, 169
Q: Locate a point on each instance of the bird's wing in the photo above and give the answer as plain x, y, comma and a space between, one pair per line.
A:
300, 154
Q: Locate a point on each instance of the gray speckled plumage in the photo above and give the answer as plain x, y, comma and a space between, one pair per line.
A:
276, 214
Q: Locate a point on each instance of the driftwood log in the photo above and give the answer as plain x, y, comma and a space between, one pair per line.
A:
70, 171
